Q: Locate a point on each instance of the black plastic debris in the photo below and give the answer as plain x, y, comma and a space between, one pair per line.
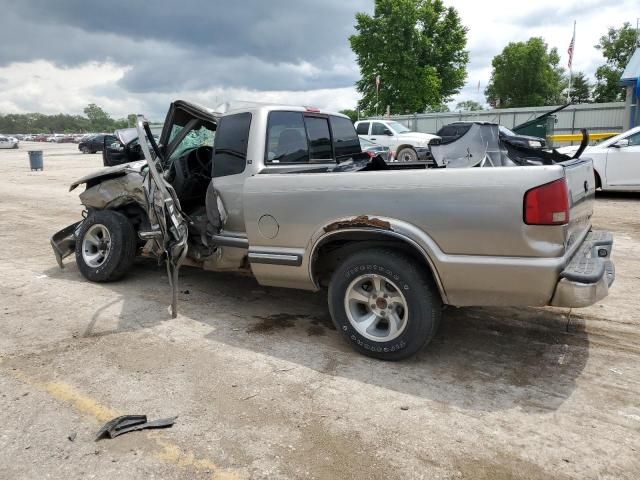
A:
131, 423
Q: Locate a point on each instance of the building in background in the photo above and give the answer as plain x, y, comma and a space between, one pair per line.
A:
631, 80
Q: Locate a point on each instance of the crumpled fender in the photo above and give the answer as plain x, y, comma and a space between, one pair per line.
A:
114, 192
109, 172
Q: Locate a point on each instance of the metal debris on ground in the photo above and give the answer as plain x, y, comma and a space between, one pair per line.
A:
131, 423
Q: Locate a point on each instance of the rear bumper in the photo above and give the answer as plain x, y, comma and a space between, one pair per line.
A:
589, 274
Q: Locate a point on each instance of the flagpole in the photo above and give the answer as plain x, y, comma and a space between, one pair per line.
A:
573, 41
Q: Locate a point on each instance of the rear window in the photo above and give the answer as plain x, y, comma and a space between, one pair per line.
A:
454, 130
319, 138
345, 139
286, 138
232, 138
363, 128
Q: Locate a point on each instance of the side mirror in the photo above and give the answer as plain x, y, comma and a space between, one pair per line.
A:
388, 132
621, 143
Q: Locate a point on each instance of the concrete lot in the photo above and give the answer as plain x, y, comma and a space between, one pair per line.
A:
265, 388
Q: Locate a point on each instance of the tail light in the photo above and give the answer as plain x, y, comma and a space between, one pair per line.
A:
370, 153
547, 204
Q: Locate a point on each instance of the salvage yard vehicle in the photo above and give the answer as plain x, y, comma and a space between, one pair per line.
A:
616, 161
8, 142
286, 194
91, 144
405, 145
455, 130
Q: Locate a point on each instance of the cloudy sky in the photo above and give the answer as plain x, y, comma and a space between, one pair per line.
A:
133, 56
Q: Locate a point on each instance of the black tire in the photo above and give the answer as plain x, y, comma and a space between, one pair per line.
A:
421, 294
121, 253
84, 150
407, 154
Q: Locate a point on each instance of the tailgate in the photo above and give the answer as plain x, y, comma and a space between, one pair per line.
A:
582, 188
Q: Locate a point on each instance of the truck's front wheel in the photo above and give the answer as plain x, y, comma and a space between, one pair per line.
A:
384, 304
105, 246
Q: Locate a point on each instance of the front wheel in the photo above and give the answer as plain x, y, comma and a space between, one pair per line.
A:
407, 154
384, 304
105, 246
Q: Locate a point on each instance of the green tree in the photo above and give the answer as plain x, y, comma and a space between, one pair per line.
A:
580, 89
131, 119
526, 74
469, 106
99, 120
352, 114
617, 46
417, 47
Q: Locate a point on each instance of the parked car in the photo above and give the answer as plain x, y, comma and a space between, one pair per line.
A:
287, 194
405, 145
123, 147
8, 142
373, 149
455, 130
616, 161
92, 144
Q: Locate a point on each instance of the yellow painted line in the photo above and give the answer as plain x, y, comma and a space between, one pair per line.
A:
576, 137
166, 451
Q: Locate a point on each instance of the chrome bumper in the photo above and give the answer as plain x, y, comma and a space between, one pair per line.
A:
589, 274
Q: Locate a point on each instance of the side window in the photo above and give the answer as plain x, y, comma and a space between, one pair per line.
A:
377, 128
634, 139
345, 139
319, 138
232, 138
363, 128
286, 138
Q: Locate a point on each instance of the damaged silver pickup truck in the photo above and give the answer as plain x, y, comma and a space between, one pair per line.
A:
286, 194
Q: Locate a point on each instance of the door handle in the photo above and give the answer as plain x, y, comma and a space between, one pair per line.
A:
372, 138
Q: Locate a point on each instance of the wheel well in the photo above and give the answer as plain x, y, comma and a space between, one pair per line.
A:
598, 180
330, 253
400, 147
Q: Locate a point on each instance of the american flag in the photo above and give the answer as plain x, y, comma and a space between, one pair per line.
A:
570, 49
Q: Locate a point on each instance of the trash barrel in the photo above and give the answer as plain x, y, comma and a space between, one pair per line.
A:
35, 159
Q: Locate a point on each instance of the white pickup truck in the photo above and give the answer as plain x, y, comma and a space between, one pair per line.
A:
405, 145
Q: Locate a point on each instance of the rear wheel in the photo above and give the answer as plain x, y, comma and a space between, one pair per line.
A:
105, 246
407, 154
384, 304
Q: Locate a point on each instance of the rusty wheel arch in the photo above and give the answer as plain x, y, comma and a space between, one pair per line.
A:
337, 244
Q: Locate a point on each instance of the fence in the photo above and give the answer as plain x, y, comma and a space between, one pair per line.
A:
596, 117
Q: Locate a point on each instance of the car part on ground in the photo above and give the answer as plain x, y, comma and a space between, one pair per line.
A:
131, 423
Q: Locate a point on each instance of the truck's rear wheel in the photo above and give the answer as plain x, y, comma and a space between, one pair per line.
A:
105, 246
407, 154
384, 304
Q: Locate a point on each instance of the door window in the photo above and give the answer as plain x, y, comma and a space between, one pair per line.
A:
378, 128
286, 138
232, 138
363, 128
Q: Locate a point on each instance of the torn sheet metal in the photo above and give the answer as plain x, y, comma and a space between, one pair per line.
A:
358, 222
131, 423
116, 192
